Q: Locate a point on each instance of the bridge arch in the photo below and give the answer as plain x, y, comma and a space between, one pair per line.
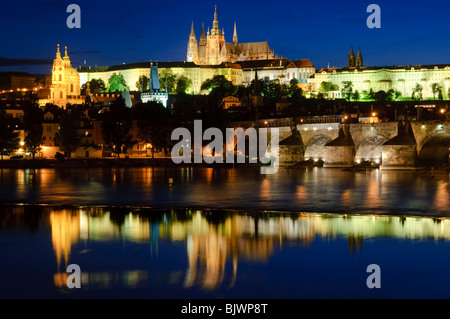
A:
371, 148
435, 149
315, 149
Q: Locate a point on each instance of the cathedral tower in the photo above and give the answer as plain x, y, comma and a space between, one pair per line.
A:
192, 51
359, 59
214, 42
235, 37
351, 59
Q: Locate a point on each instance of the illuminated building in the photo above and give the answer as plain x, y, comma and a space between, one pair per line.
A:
154, 89
65, 87
403, 79
213, 50
16, 80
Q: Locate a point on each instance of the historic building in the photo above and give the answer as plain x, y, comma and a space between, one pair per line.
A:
401, 78
65, 87
213, 50
154, 89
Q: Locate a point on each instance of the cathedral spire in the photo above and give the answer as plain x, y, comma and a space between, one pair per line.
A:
192, 29
235, 37
202, 37
215, 29
58, 54
351, 59
359, 59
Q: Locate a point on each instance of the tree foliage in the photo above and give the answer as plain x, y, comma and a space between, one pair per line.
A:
116, 127
171, 79
142, 83
116, 82
96, 86
32, 123
9, 138
68, 137
154, 125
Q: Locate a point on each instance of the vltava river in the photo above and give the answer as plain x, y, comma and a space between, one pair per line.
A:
223, 233
313, 190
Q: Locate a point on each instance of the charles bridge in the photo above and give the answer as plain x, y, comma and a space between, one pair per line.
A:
393, 145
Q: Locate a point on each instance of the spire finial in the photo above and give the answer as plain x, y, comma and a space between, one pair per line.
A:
192, 28
235, 38
58, 54
65, 51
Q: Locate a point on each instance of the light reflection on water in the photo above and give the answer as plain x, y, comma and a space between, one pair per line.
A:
312, 190
189, 253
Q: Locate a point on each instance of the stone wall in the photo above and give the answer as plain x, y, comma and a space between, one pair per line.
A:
399, 156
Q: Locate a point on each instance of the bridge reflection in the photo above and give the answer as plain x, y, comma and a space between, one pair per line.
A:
214, 242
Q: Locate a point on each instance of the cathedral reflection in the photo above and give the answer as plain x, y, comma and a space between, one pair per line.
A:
215, 242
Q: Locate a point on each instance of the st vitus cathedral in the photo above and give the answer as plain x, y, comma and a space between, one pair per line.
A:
213, 50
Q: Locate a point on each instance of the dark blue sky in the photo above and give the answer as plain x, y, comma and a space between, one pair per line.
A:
113, 32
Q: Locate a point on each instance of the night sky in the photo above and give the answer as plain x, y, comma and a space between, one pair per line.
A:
113, 32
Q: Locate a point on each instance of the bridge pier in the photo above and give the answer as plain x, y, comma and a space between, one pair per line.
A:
400, 152
341, 151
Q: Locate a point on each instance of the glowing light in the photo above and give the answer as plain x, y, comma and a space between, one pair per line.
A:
374, 114
22, 143
442, 111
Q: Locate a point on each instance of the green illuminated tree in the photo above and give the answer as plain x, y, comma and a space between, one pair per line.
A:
417, 93
142, 83
436, 88
116, 82
347, 89
171, 79
183, 84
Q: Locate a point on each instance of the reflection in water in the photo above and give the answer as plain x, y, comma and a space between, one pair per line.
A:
134, 248
309, 190
215, 241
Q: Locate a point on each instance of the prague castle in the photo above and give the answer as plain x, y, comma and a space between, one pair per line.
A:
213, 50
400, 78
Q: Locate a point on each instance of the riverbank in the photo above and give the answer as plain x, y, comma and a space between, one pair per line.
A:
108, 163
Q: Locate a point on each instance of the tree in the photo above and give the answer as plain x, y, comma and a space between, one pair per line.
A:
183, 84
436, 88
96, 86
169, 78
117, 83
355, 95
218, 87
116, 127
9, 139
154, 125
347, 89
326, 87
32, 124
68, 138
417, 93
142, 83
382, 96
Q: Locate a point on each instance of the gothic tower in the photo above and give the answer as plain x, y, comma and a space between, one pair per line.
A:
203, 37
359, 59
351, 59
192, 51
235, 37
215, 40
